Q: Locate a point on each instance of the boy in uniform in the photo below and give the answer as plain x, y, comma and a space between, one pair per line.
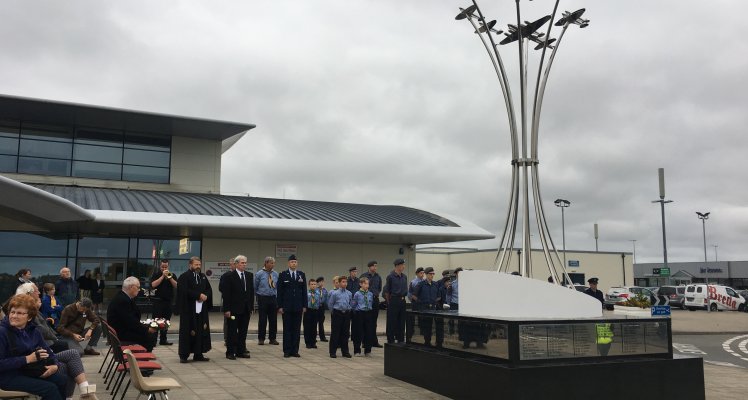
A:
311, 314
324, 295
362, 328
340, 314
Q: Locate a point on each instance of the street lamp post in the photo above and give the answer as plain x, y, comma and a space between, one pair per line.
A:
634, 242
563, 204
662, 201
703, 217
715, 252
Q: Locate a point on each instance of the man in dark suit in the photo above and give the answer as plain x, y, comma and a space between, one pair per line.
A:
123, 315
291, 305
238, 302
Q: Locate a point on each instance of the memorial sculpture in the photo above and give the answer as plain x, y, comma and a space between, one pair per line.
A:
520, 337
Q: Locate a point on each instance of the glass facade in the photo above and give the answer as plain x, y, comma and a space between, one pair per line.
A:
85, 152
115, 257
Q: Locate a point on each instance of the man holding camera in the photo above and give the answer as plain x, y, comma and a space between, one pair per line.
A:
164, 282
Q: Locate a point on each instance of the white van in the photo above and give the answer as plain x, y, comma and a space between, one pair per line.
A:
716, 297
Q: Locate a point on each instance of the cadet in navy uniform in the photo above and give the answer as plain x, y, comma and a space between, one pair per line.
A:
340, 310
313, 304
427, 295
238, 304
395, 290
291, 305
375, 287
592, 290
410, 320
323, 306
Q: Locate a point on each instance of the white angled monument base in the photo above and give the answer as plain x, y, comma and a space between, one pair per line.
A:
498, 295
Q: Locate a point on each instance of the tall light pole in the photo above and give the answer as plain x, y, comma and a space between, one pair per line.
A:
662, 201
596, 236
703, 217
715, 252
634, 242
563, 204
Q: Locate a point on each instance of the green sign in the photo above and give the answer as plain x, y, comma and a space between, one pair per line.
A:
664, 271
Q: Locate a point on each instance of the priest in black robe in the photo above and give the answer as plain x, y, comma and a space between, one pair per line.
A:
194, 300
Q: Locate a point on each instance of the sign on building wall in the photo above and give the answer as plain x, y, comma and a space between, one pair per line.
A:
283, 251
573, 263
184, 246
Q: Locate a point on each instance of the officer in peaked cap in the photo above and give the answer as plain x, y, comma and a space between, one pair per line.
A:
592, 290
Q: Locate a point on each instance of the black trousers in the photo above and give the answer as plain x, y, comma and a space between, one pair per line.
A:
162, 309
396, 319
431, 326
236, 333
268, 309
362, 331
321, 323
291, 331
310, 327
339, 335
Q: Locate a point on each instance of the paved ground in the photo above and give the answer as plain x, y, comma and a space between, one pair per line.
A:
267, 375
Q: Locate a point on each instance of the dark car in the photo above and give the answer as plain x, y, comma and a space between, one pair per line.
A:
676, 295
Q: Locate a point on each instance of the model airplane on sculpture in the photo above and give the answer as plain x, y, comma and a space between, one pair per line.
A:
489, 27
573, 18
524, 31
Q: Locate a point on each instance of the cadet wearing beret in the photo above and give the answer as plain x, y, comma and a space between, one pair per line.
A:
395, 290
592, 290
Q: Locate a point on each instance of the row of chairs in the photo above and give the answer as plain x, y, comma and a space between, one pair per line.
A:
131, 360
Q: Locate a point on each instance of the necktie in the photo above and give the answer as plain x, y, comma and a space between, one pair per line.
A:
293, 275
244, 283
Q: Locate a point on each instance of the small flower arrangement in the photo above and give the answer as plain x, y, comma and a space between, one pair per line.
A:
157, 323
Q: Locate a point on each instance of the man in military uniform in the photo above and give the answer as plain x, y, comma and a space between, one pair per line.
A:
395, 290
592, 290
291, 305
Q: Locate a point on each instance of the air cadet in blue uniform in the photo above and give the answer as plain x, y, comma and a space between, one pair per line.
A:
592, 290
340, 315
313, 305
427, 295
362, 328
395, 290
291, 304
324, 294
266, 281
375, 287
411, 319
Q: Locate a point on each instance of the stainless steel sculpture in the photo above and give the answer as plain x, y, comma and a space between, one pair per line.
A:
524, 158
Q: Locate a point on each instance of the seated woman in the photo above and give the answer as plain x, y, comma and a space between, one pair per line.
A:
51, 309
50, 335
22, 344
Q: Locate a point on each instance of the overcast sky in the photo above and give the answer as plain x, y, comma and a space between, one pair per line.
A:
395, 102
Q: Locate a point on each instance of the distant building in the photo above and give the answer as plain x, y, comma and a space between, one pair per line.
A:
115, 191
612, 268
729, 273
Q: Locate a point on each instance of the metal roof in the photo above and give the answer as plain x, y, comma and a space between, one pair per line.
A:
74, 114
91, 198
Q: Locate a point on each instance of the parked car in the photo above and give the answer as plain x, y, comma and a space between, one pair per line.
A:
715, 297
654, 289
617, 295
676, 295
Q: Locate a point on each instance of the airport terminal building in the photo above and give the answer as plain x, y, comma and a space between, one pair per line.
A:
115, 191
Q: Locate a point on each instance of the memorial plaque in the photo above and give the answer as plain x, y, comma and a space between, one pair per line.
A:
533, 342
585, 340
560, 341
655, 337
633, 338
609, 339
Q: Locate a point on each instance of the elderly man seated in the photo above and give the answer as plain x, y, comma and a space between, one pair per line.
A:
123, 315
73, 329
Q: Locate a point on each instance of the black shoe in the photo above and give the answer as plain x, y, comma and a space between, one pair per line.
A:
146, 372
165, 343
184, 360
347, 355
324, 340
274, 342
333, 356
243, 355
297, 355
377, 345
311, 347
231, 356
286, 355
261, 342
201, 358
